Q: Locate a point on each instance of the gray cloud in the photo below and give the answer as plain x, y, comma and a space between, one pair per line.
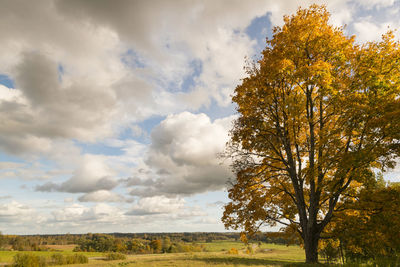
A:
102, 196
141, 212
204, 32
157, 205
136, 181
135, 23
42, 109
61, 111
73, 186
37, 77
93, 174
48, 187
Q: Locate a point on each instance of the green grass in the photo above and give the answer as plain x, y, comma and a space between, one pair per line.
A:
201, 259
7, 256
273, 251
222, 245
216, 255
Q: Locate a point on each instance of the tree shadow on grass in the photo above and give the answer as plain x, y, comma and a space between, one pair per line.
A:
244, 261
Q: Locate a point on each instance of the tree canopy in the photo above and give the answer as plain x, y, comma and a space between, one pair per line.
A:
318, 114
367, 227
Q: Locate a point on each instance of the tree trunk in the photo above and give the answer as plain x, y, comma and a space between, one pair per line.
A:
341, 251
311, 247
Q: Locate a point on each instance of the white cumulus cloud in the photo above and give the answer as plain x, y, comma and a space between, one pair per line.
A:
183, 157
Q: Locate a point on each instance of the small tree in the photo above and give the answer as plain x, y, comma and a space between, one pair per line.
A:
166, 244
2, 240
368, 224
317, 114
156, 245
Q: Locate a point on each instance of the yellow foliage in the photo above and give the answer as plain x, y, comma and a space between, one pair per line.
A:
233, 251
243, 238
317, 114
368, 227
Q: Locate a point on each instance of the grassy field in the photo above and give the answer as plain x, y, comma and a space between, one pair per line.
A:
7, 256
217, 255
202, 259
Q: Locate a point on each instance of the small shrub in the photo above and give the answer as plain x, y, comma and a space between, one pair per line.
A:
76, 258
115, 256
29, 260
329, 249
249, 250
233, 251
58, 259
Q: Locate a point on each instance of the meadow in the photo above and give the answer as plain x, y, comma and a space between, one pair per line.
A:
218, 253
7, 256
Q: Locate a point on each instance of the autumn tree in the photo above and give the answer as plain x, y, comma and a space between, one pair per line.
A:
318, 114
156, 245
367, 224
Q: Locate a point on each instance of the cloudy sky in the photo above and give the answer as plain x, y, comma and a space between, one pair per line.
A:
112, 112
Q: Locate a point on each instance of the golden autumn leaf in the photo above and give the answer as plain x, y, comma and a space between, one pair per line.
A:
317, 114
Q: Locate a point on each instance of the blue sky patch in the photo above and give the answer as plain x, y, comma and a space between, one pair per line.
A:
99, 149
60, 69
132, 59
149, 124
258, 30
215, 111
6, 81
189, 80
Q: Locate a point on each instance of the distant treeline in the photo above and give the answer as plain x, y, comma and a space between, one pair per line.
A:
110, 243
128, 242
